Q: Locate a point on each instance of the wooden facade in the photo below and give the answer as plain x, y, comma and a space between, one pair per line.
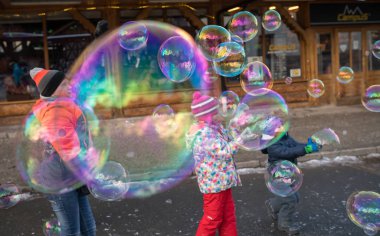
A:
349, 27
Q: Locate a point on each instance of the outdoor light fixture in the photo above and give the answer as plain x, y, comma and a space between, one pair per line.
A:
234, 9
272, 8
44, 2
292, 8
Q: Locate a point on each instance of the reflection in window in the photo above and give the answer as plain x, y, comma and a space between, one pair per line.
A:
373, 62
324, 53
283, 53
356, 49
344, 49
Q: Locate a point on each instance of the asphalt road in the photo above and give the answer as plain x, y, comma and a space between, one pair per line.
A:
177, 211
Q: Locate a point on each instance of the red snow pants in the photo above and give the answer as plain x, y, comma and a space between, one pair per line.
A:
218, 214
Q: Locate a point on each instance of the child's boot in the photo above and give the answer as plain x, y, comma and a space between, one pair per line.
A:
290, 228
270, 210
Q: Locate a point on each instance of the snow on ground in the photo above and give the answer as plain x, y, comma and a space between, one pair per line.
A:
325, 161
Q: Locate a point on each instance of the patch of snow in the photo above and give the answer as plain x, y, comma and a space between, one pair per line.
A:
330, 161
372, 155
245, 171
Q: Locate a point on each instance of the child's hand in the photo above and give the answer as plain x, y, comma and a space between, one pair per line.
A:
311, 147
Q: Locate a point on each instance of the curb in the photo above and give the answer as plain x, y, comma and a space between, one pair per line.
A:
315, 156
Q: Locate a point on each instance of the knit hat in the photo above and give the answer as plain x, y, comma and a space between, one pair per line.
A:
47, 81
204, 106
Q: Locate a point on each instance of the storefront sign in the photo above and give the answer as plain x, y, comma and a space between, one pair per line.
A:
326, 14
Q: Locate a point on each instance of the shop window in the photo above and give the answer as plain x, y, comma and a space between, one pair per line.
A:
356, 49
283, 56
350, 52
20, 50
324, 53
373, 62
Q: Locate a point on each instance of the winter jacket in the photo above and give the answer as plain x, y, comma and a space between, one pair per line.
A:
213, 154
285, 149
65, 137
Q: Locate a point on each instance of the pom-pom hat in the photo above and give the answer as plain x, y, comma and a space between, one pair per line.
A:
47, 81
203, 106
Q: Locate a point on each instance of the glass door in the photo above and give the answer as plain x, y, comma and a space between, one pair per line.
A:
349, 46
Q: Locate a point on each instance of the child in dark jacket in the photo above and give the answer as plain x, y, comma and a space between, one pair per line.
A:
283, 208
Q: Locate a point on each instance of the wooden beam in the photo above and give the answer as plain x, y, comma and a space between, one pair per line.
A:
63, 28
45, 42
4, 3
290, 22
191, 17
143, 14
113, 18
253, 5
82, 20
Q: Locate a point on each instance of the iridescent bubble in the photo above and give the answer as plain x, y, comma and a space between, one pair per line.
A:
363, 209
288, 80
371, 98
164, 120
325, 136
111, 183
228, 102
132, 35
176, 59
237, 39
315, 88
256, 76
209, 39
163, 110
53, 157
345, 75
132, 81
106, 75
244, 24
370, 229
6, 192
210, 76
52, 227
260, 120
376, 49
235, 61
283, 178
271, 20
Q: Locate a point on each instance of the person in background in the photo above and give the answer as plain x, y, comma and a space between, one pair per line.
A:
66, 131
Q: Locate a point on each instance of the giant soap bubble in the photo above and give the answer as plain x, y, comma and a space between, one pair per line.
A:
176, 59
234, 63
111, 183
244, 24
371, 98
256, 76
132, 35
325, 136
260, 120
283, 178
135, 82
208, 40
56, 156
363, 209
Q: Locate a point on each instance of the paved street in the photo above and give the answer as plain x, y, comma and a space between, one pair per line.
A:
177, 211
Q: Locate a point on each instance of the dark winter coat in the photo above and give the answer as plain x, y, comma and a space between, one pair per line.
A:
285, 149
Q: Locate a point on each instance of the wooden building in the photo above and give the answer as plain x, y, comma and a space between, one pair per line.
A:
316, 38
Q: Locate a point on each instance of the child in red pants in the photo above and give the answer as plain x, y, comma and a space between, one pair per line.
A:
215, 167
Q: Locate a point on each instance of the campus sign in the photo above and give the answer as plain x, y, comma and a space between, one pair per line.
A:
327, 14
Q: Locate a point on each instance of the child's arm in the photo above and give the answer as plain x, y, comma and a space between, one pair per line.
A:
283, 152
213, 144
